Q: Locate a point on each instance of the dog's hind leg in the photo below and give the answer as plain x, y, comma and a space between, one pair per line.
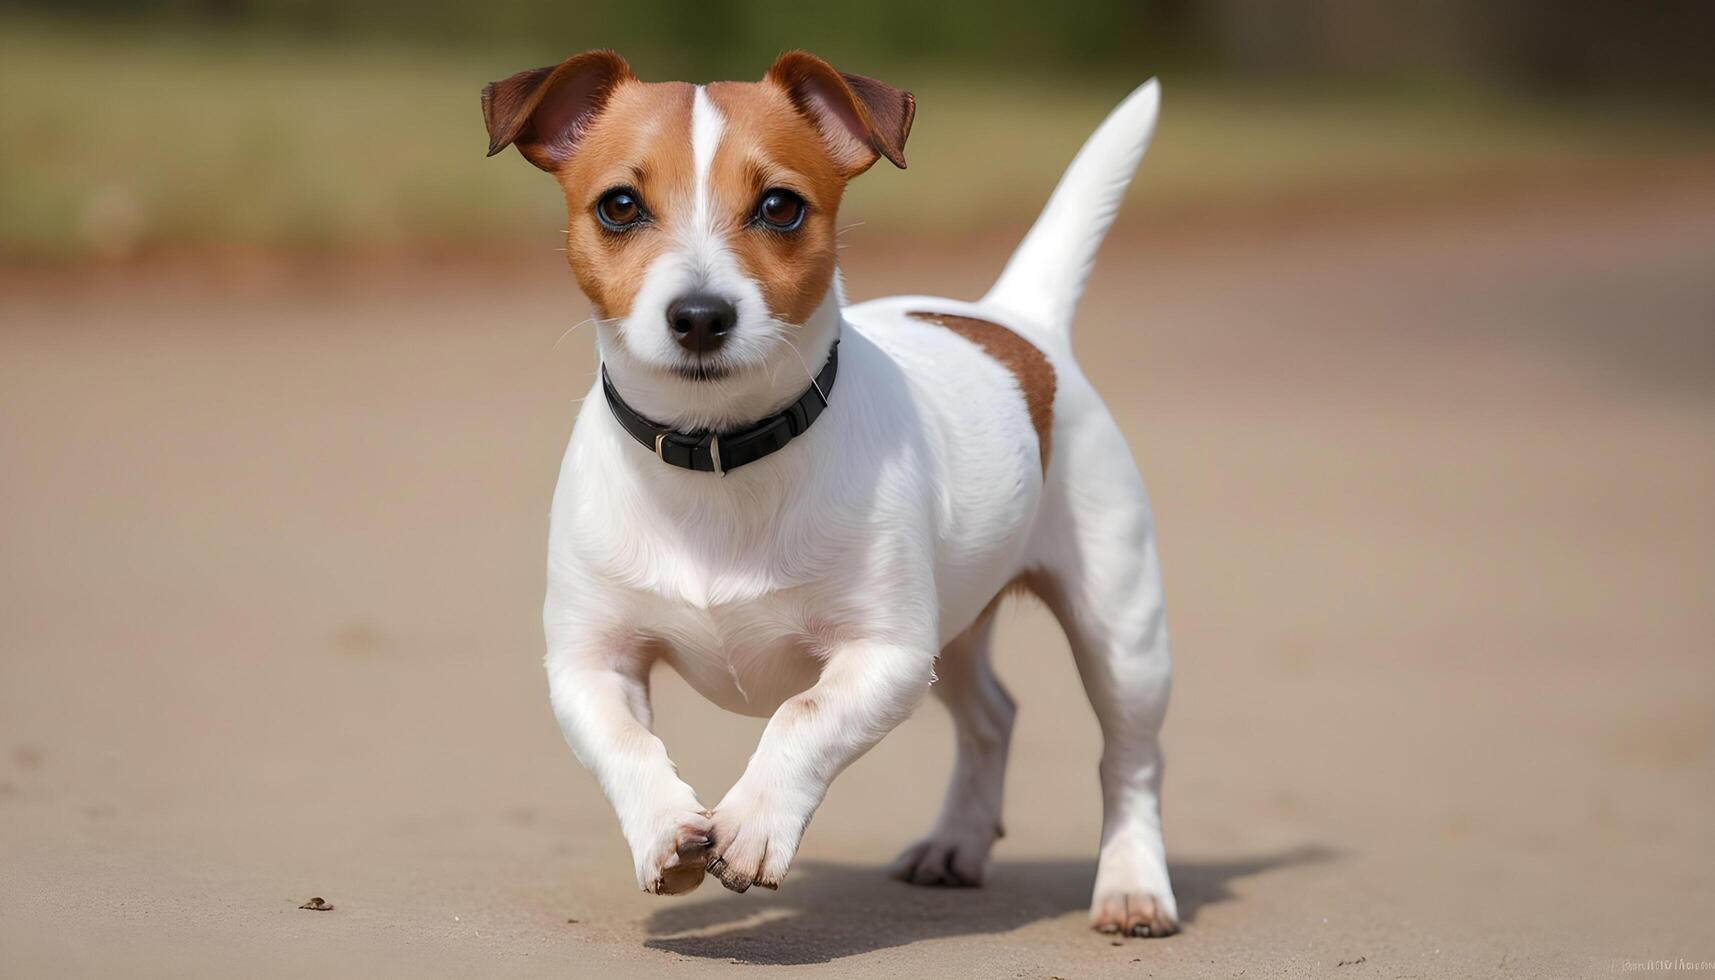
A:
957, 847
1099, 574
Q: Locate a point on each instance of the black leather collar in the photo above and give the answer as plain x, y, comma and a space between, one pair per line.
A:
721, 452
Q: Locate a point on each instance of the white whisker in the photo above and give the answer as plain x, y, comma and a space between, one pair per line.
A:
794, 349
575, 326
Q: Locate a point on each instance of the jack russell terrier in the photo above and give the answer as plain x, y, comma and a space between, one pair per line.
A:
811, 510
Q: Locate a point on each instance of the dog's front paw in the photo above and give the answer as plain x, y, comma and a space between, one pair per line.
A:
1133, 914
674, 862
754, 841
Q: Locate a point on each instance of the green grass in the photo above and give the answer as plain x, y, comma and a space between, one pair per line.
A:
115, 145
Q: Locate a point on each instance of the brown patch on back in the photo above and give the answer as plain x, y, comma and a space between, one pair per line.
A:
1024, 359
766, 143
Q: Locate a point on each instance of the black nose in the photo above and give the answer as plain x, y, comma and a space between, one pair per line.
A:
700, 321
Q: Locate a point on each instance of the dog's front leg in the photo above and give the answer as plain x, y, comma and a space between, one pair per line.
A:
601, 699
864, 691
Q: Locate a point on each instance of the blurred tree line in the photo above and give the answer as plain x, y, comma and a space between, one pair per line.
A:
1559, 48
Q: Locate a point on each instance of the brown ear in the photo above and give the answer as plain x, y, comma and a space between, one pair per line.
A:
545, 110
860, 118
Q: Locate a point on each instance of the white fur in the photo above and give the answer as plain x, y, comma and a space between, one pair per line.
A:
817, 586
707, 125
1045, 276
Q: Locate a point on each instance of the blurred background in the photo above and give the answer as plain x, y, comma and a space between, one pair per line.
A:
1410, 321
191, 126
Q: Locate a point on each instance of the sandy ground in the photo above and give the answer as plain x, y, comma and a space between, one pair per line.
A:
1437, 497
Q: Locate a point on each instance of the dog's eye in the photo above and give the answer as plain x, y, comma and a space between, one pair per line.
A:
780, 209
619, 209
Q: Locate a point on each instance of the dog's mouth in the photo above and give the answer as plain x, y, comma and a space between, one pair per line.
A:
701, 371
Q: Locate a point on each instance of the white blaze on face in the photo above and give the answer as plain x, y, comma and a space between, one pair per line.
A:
707, 124
717, 269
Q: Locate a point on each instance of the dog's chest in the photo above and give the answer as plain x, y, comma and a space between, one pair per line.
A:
740, 550
748, 657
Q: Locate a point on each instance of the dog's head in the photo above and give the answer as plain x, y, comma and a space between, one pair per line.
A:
702, 218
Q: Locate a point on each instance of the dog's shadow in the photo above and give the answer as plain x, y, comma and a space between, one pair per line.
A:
827, 911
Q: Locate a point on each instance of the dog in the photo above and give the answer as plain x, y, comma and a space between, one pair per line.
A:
811, 510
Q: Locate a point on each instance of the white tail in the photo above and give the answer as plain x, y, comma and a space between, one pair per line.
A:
1045, 276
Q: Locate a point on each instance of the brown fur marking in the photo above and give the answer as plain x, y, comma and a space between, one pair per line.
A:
640, 140
766, 143
1025, 360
